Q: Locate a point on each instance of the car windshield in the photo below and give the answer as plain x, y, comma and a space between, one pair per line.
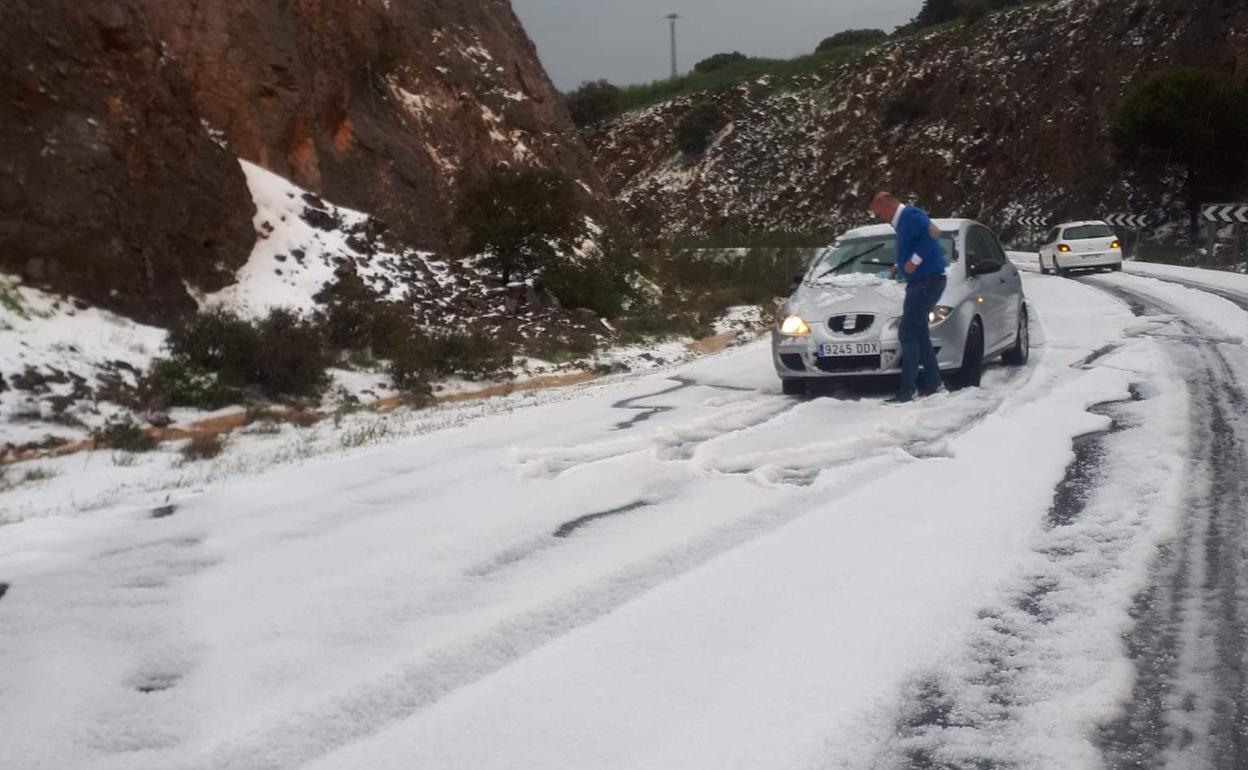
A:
868, 256
1083, 232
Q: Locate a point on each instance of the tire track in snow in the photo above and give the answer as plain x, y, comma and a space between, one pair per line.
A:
1189, 704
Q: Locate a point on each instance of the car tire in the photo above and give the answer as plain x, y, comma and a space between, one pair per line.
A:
793, 387
1018, 354
1116, 268
1062, 272
972, 369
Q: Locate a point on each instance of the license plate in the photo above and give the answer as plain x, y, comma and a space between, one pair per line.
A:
838, 349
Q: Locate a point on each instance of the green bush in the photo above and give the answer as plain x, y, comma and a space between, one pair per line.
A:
719, 61
698, 127
602, 281
202, 446
428, 356
1189, 117
125, 436
178, 382
852, 37
521, 220
282, 354
593, 104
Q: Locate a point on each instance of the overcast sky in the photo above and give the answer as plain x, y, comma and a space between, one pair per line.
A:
626, 41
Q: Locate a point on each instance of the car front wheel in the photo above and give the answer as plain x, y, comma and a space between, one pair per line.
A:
1021, 350
972, 369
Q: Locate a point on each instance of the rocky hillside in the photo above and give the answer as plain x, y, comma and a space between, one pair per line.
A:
384, 106
123, 120
110, 189
1007, 117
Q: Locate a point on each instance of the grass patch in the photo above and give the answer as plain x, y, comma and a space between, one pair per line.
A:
783, 73
203, 446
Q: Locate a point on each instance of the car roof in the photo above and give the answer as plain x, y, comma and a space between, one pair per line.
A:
1085, 222
875, 231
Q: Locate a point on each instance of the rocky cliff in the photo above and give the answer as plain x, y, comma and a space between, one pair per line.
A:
122, 122
1009, 116
110, 189
385, 106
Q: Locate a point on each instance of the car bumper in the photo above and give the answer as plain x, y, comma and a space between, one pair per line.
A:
796, 357
1089, 260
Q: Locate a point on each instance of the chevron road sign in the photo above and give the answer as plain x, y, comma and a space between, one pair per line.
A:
1228, 213
1034, 221
1126, 220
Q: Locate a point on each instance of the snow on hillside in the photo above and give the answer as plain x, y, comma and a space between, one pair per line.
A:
65, 368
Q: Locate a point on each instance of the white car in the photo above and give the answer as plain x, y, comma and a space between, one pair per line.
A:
1080, 246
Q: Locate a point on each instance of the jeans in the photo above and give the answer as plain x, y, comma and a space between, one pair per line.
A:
916, 336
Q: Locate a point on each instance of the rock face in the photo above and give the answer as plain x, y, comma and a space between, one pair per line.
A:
1010, 116
109, 187
385, 106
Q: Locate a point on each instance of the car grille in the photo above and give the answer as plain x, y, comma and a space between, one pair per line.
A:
851, 324
793, 361
848, 364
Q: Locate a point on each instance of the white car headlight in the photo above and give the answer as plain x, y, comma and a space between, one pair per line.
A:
794, 326
939, 315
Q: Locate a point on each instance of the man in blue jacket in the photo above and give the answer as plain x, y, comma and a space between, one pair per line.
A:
921, 262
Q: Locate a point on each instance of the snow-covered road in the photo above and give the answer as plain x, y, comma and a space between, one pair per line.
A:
680, 570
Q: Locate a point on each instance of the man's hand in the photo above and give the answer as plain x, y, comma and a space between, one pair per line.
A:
892, 271
910, 267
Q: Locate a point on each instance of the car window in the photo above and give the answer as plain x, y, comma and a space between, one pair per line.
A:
866, 256
982, 248
1088, 231
1053, 235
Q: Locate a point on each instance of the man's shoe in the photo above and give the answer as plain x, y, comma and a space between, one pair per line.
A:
899, 400
941, 389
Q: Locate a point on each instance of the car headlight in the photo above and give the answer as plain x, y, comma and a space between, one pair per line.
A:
1063, 248
794, 326
1115, 245
939, 315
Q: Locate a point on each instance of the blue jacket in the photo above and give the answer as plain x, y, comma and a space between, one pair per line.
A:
913, 238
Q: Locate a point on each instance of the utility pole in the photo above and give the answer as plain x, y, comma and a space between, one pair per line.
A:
672, 19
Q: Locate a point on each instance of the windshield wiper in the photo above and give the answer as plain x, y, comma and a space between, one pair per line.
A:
852, 260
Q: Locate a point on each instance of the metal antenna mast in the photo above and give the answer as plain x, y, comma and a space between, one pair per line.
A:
672, 19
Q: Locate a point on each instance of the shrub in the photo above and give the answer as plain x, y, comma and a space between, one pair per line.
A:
1190, 117
904, 109
125, 436
973, 11
521, 220
202, 446
178, 382
562, 346
719, 61
698, 127
283, 354
602, 281
853, 37
594, 103
424, 357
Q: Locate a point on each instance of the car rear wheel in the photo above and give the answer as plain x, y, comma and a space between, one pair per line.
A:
1021, 351
1116, 268
972, 370
793, 387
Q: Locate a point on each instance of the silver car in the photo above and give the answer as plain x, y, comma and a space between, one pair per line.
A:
842, 319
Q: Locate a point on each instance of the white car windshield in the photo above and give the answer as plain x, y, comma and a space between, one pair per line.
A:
869, 256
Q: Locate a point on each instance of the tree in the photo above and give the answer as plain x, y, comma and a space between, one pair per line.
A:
1189, 117
594, 103
852, 37
936, 12
698, 126
521, 220
718, 62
